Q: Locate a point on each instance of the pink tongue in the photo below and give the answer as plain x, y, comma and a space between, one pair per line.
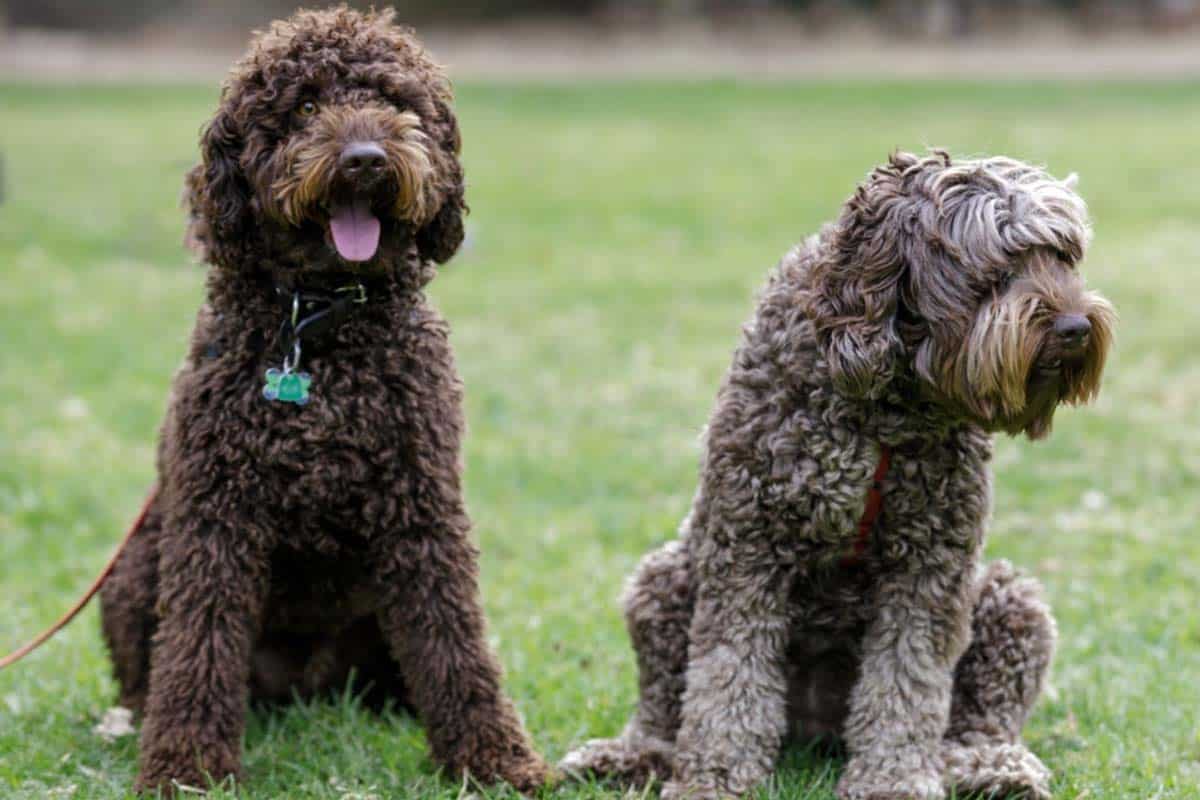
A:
355, 232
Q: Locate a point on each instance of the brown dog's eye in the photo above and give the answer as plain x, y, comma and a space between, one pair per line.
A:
307, 108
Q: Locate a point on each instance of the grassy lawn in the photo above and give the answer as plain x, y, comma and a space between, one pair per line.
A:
617, 237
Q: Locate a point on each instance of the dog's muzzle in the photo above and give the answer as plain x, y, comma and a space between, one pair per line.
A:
362, 165
1072, 332
355, 227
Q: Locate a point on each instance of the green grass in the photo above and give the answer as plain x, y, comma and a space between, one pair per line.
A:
617, 237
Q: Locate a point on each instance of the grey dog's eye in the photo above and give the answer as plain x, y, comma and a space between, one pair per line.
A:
307, 108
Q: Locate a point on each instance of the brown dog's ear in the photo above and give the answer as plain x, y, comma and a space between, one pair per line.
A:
439, 238
217, 193
856, 288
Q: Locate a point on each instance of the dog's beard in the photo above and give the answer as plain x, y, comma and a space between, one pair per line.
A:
309, 189
1007, 373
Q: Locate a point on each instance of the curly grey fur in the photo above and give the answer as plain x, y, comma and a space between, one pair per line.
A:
921, 320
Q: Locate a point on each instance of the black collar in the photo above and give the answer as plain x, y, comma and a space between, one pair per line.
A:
312, 314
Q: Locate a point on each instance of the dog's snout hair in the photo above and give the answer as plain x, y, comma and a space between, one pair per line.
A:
309, 173
1013, 335
952, 273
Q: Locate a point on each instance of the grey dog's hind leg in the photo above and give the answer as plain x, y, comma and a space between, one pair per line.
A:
658, 613
996, 683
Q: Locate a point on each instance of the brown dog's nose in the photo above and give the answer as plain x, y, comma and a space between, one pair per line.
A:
362, 162
1072, 330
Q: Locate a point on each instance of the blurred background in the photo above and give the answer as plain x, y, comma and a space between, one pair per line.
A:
165, 39
914, 17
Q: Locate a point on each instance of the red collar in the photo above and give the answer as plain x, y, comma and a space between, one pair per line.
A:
871, 512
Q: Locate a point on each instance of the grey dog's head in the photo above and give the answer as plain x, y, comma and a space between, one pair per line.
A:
963, 276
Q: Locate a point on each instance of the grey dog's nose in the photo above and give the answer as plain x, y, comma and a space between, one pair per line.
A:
1072, 329
362, 162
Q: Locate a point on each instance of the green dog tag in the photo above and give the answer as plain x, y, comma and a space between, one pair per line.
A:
287, 387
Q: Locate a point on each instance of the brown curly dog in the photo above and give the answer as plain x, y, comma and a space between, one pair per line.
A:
310, 518
944, 305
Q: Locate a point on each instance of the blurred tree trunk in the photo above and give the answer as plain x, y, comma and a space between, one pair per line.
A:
1159, 15
1168, 15
116, 15
933, 19
941, 19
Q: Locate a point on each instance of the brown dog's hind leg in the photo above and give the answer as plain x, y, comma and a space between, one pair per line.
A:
996, 683
658, 614
127, 615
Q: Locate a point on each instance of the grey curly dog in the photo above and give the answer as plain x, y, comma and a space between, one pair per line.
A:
944, 305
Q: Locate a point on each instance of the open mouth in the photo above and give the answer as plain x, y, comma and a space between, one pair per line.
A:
355, 229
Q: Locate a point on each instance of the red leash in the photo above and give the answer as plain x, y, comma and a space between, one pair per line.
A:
871, 512
41, 638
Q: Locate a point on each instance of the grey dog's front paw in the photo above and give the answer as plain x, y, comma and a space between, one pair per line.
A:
902, 774
996, 770
724, 784
676, 790
630, 761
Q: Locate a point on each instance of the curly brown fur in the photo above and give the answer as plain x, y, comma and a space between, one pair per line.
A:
291, 544
944, 305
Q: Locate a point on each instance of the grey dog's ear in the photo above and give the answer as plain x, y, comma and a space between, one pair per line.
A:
856, 285
439, 238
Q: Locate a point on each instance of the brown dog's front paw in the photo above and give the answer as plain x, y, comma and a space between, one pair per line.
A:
528, 773
176, 775
170, 785
490, 746
514, 763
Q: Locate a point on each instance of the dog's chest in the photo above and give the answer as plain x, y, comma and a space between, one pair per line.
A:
310, 464
928, 505
350, 416
933, 498
817, 492
869, 511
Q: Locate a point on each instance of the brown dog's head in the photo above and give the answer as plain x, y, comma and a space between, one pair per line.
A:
334, 148
963, 277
